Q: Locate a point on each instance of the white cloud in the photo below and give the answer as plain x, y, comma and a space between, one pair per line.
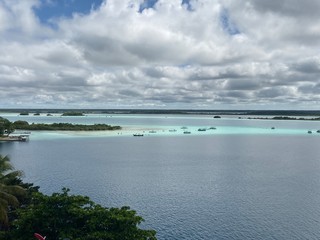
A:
165, 56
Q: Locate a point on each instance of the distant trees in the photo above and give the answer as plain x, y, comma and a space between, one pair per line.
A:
20, 124
6, 127
72, 114
63, 126
24, 113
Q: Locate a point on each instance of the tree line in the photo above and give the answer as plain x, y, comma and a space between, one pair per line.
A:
23, 125
7, 127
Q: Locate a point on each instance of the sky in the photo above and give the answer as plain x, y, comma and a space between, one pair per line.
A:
161, 54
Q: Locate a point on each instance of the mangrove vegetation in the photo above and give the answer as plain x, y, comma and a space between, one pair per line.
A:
23, 125
7, 127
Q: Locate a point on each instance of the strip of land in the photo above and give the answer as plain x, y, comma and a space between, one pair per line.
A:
22, 125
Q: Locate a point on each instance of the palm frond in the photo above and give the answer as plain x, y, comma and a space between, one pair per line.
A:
9, 198
9, 191
11, 176
3, 211
5, 164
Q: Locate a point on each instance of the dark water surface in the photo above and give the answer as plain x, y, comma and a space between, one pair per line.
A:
197, 187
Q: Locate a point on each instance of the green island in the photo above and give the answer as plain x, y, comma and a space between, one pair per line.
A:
25, 211
7, 127
77, 114
23, 125
24, 114
286, 118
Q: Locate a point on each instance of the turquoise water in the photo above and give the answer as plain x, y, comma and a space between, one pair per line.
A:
240, 181
161, 125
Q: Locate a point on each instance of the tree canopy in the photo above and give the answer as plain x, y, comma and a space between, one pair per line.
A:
6, 127
76, 217
25, 211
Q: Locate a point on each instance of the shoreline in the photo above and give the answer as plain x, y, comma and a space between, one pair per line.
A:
235, 112
173, 131
21, 138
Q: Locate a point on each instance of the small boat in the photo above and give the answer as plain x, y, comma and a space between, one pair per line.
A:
152, 131
212, 128
309, 131
318, 131
202, 129
186, 132
172, 130
23, 138
273, 128
138, 135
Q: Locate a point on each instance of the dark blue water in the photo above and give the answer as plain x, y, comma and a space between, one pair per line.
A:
197, 187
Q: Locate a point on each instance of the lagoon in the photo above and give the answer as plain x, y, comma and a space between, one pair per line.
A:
240, 181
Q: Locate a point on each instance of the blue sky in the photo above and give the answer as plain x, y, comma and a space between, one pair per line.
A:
48, 10
227, 24
147, 4
209, 54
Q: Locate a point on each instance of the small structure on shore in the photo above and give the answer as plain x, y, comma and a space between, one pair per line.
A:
19, 138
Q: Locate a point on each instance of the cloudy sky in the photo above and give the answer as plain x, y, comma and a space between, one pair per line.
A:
208, 54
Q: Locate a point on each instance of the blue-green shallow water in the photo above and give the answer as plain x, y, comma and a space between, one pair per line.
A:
217, 186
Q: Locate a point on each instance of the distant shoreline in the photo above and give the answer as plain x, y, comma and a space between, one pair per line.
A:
285, 118
170, 111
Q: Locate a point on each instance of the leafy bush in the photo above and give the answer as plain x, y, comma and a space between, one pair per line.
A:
76, 217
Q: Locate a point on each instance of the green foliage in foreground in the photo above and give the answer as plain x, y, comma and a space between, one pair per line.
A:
10, 190
23, 125
61, 215
76, 217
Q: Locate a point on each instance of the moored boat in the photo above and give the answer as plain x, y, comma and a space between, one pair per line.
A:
138, 135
